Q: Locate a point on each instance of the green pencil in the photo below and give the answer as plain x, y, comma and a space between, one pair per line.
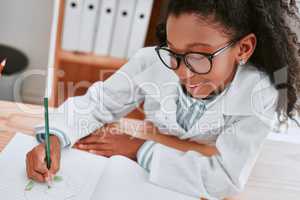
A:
47, 135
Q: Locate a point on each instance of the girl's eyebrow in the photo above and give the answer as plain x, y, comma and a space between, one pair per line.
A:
192, 44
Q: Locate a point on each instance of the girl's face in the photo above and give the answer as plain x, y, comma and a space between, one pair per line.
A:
188, 33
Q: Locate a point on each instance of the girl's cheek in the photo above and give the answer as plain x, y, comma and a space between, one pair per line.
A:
222, 72
215, 78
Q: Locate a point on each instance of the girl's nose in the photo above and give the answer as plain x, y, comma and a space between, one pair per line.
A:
183, 72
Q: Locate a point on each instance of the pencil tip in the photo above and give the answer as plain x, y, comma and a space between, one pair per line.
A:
3, 63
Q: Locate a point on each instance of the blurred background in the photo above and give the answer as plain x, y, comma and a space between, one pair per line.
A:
34, 37
26, 26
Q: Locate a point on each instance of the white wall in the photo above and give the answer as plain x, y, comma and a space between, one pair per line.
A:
26, 25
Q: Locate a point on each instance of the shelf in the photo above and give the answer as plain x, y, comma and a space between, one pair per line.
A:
91, 60
77, 67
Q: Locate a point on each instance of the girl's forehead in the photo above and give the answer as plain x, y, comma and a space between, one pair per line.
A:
188, 29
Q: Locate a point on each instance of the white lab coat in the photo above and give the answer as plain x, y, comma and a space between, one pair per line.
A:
237, 122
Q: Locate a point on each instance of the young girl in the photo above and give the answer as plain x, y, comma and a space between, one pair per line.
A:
217, 79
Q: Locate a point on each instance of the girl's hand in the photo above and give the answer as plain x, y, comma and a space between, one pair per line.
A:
110, 144
35, 161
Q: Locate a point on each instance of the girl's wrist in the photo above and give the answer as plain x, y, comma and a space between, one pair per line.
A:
139, 143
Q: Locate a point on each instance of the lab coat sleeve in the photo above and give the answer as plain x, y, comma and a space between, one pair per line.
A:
216, 177
145, 153
104, 102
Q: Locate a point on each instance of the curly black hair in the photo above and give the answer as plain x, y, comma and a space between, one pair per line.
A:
272, 21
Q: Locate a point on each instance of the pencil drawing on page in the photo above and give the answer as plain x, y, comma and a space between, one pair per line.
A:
61, 189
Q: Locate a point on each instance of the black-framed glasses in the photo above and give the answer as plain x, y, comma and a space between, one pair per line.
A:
197, 62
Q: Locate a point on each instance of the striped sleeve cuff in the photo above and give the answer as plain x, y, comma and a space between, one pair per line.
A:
40, 135
144, 155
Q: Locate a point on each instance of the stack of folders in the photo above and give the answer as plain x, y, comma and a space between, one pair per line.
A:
116, 28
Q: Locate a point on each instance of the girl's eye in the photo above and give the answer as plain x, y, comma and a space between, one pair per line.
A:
196, 57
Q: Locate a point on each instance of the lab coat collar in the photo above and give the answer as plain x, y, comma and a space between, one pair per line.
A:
244, 96
241, 97
238, 99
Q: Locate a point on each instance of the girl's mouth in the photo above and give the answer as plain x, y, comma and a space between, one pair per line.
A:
193, 86
197, 88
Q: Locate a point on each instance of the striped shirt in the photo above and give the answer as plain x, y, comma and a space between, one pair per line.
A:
40, 135
189, 111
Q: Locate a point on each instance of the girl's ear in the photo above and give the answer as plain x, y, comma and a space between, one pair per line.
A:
246, 47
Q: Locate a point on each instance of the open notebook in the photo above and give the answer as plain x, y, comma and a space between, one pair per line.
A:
84, 176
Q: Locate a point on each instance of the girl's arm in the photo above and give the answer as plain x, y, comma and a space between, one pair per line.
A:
104, 102
182, 145
147, 131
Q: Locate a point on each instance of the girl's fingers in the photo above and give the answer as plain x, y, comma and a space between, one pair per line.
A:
41, 168
102, 153
88, 139
32, 174
94, 147
36, 176
87, 146
91, 139
54, 168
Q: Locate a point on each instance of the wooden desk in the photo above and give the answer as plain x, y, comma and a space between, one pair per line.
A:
276, 175
16, 117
